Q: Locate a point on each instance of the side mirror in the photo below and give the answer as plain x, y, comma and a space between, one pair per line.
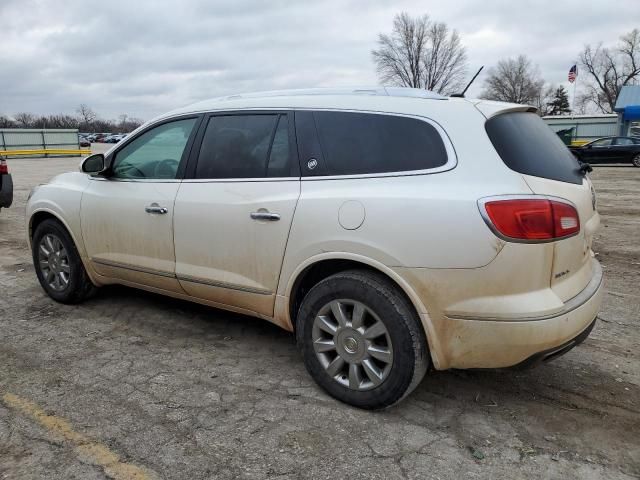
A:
93, 164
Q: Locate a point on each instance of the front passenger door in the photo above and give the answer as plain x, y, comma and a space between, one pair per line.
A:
127, 215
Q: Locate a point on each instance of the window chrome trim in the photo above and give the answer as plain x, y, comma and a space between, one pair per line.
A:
137, 180
452, 158
485, 215
238, 180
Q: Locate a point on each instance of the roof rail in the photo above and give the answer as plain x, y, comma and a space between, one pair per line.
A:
374, 91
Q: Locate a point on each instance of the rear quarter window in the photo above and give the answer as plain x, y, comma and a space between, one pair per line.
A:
527, 145
365, 143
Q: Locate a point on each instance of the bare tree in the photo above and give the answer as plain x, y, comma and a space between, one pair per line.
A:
6, 122
544, 101
514, 80
421, 53
24, 119
87, 116
609, 70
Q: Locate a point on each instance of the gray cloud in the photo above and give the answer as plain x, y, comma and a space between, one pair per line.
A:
144, 57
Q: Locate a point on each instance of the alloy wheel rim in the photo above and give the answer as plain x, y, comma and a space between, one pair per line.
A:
636, 160
53, 262
352, 344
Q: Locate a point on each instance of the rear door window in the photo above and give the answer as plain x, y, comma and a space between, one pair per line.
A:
527, 145
245, 146
353, 143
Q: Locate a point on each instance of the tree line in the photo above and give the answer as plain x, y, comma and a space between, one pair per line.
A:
85, 120
422, 53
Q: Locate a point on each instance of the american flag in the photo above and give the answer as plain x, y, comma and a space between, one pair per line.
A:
573, 73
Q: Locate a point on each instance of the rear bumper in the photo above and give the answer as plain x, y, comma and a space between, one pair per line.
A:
6, 190
479, 343
556, 352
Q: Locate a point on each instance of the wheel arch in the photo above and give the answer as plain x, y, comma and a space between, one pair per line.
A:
42, 214
323, 265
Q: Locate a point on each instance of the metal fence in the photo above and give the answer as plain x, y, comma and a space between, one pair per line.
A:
28, 142
585, 128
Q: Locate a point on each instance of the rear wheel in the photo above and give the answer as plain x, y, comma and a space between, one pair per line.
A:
636, 161
361, 339
58, 264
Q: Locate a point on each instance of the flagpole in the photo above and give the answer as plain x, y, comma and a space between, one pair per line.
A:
573, 102
573, 99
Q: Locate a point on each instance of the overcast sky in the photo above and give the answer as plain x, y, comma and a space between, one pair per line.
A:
144, 57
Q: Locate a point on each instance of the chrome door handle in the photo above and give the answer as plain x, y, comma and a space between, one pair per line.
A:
155, 208
272, 217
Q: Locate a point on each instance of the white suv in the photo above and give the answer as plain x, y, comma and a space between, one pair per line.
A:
392, 230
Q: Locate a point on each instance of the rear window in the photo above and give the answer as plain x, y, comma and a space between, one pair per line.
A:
245, 146
365, 143
527, 145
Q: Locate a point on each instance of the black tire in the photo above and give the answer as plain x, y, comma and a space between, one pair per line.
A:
636, 161
79, 285
408, 343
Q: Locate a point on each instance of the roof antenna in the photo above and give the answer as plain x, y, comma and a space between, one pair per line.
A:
461, 95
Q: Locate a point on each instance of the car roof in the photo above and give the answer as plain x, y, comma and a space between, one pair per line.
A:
380, 99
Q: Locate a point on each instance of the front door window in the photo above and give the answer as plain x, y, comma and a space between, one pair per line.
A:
155, 154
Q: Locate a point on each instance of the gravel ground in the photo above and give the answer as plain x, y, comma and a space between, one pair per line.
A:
134, 385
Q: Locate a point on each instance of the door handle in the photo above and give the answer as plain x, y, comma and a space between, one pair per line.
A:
272, 217
155, 208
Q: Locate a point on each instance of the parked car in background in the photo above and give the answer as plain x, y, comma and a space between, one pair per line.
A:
113, 138
6, 185
392, 231
83, 141
610, 150
100, 137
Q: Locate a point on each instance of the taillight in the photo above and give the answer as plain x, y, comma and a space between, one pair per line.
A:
531, 219
4, 168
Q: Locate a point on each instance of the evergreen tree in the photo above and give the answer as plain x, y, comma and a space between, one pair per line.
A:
560, 103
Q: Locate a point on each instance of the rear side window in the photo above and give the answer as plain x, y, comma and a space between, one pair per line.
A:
245, 146
365, 143
527, 145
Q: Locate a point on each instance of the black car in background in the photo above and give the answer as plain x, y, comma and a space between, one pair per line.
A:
610, 150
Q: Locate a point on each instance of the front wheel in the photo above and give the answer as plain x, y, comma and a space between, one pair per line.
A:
58, 264
636, 161
361, 339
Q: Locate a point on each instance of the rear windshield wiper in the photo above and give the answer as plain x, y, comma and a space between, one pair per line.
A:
585, 167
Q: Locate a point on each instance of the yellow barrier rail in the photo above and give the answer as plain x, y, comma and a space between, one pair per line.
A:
46, 151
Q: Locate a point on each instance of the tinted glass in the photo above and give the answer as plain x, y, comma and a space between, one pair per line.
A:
624, 141
605, 142
155, 154
527, 145
363, 143
279, 165
244, 146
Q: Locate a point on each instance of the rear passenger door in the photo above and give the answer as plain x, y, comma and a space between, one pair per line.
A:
234, 210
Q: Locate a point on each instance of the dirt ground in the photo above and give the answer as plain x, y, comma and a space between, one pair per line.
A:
134, 385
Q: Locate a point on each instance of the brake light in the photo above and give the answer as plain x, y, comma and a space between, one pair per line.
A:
531, 219
4, 168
